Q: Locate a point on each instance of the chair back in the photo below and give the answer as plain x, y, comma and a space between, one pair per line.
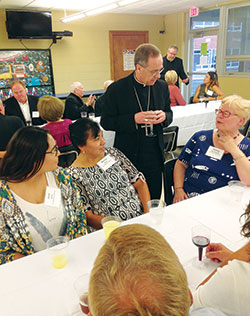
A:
169, 180
245, 130
170, 135
68, 155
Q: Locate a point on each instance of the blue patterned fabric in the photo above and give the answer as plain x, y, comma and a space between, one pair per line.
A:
205, 173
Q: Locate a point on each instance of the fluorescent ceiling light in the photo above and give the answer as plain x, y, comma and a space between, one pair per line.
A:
125, 2
102, 9
73, 17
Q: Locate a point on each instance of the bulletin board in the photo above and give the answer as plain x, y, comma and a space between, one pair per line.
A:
32, 66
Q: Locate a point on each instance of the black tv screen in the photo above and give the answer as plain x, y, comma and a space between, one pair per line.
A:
28, 24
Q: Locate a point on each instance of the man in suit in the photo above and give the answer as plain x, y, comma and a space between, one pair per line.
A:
171, 62
99, 103
137, 108
8, 126
74, 105
23, 105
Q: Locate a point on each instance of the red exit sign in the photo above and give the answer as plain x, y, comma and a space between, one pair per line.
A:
193, 12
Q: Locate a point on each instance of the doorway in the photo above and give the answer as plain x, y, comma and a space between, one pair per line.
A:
122, 46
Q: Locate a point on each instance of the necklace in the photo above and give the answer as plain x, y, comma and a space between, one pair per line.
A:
138, 100
218, 134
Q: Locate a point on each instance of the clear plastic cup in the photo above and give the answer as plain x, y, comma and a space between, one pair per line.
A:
57, 247
110, 223
236, 188
156, 210
81, 286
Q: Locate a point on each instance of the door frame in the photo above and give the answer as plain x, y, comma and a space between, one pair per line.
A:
112, 34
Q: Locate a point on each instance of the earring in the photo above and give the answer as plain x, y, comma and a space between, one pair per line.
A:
83, 152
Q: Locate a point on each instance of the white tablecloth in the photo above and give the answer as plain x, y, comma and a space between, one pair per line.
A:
193, 118
31, 287
190, 119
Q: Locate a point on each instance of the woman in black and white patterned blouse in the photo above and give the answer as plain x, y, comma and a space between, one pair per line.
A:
109, 183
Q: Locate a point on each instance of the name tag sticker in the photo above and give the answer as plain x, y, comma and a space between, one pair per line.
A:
106, 162
209, 93
215, 153
52, 197
35, 114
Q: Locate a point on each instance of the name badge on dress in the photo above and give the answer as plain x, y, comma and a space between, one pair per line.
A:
209, 93
35, 114
52, 196
214, 152
106, 162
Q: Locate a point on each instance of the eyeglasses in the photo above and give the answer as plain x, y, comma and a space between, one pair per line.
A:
225, 114
54, 150
154, 73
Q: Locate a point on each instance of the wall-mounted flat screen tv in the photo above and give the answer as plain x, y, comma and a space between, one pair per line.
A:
28, 24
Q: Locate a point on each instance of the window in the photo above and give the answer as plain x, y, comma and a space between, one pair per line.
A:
237, 52
206, 19
238, 31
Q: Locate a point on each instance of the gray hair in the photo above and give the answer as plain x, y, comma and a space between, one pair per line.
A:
143, 52
107, 83
174, 46
74, 85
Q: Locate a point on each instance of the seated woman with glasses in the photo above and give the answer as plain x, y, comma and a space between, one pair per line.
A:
109, 183
209, 90
37, 200
212, 158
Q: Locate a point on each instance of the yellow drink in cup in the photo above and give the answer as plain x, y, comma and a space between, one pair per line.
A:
59, 261
109, 224
57, 247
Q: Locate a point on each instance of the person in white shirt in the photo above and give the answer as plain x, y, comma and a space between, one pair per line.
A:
227, 288
137, 273
23, 105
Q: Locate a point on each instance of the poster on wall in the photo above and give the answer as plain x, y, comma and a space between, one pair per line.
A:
32, 66
128, 59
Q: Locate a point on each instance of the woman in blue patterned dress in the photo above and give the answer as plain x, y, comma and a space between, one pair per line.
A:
212, 158
108, 181
29, 177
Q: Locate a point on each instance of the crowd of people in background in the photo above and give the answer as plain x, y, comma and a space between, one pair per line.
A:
119, 181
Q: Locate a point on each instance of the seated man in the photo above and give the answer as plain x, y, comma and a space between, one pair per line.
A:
74, 105
137, 273
8, 126
23, 105
99, 103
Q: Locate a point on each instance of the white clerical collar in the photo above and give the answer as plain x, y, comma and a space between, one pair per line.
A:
141, 83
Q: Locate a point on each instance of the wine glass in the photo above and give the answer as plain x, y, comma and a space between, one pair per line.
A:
201, 236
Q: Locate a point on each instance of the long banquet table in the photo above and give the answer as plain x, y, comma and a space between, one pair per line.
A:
193, 118
32, 287
190, 118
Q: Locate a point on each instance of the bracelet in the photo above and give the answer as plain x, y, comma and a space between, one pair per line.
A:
239, 156
178, 188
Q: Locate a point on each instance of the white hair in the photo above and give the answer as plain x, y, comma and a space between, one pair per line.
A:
74, 85
107, 83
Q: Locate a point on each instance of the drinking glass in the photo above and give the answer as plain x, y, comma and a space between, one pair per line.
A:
57, 247
201, 236
110, 223
236, 188
156, 210
81, 286
84, 114
92, 115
